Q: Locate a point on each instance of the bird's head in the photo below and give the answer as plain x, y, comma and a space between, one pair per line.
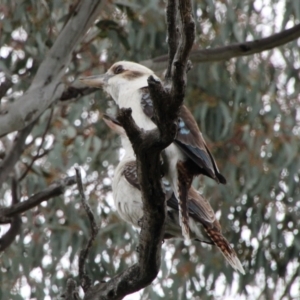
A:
122, 76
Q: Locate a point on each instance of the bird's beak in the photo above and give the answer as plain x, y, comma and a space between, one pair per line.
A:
114, 124
110, 118
96, 81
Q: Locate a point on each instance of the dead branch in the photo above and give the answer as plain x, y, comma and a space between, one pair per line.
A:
74, 91
147, 147
85, 280
55, 189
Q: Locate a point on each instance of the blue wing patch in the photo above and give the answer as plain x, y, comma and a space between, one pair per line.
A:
182, 127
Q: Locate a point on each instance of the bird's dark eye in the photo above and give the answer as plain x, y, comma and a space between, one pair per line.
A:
119, 69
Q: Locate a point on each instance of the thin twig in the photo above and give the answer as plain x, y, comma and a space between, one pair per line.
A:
85, 280
37, 156
54, 190
74, 92
234, 50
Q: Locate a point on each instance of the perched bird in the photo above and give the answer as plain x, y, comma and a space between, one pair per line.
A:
188, 156
128, 201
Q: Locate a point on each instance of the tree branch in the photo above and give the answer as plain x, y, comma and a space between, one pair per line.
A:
85, 280
231, 51
182, 54
160, 63
5, 220
75, 91
46, 86
55, 189
147, 147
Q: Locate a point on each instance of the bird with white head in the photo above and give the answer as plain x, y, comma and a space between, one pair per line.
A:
188, 156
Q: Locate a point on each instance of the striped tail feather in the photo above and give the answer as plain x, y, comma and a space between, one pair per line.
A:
183, 212
184, 181
228, 252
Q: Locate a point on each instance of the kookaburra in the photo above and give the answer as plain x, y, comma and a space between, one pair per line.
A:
128, 201
188, 156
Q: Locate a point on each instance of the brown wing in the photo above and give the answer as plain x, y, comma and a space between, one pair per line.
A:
189, 138
199, 208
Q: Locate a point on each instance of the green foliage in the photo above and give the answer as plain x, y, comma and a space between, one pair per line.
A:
247, 108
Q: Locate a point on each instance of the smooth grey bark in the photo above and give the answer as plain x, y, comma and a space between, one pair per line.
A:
46, 86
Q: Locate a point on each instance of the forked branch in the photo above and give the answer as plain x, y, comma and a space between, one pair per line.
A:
148, 146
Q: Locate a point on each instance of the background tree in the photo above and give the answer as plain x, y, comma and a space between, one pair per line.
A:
247, 108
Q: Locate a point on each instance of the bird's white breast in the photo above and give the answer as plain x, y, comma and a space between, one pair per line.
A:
131, 98
127, 198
